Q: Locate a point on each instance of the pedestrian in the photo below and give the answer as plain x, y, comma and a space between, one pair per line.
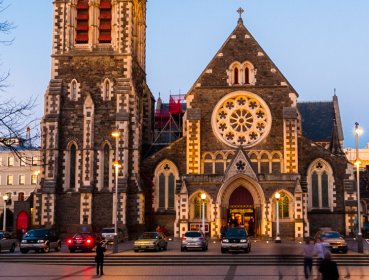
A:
308, 253
319, 249
99, 258
328, 268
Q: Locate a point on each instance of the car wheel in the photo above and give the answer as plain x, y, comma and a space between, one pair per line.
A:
46, 248
223, 250
157, 248
12, 249
183, 249
24, 251
247, 250
135, 250
58, 247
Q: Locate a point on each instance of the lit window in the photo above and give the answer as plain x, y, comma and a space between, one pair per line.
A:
34, 180
10, 161
284, 204
22, 179
198, 208
166, 176
35, 161
9, 180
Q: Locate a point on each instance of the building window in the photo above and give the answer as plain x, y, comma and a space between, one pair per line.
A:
166, 176
241, 73
106, 90
21, 196
35, 161
82, 22
105, 21
219, 164
72, 167
9, 180
198, 208
34, 179
22, 179
247, 75
283, 205
235, 76
22, 161
264, 164
106, 166
320, 185
208, 164
276, 163
10, 161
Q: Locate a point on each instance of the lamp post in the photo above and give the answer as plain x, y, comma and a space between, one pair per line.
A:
203, 197
117, 165
357, 163
5, 198
277, 238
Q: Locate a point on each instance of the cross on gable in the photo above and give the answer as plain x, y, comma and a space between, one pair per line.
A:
240, 11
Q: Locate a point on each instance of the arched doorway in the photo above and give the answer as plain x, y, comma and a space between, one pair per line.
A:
241, 209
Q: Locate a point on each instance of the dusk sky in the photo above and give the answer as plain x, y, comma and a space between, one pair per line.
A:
318, 45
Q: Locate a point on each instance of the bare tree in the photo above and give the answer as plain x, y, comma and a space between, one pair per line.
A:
16, 118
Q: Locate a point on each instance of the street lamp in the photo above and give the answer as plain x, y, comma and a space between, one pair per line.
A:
203, 197
5, 198
357, 163
116, 134
277, 197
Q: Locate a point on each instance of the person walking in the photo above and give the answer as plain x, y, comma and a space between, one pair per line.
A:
99, 258
328, 268
308, 253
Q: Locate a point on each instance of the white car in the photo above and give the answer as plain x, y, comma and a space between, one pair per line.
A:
108, 234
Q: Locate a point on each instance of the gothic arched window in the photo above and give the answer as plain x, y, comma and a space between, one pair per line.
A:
197, 202
107, 90
166, 176
247, 75
72, 167
106, 171
235, 75
74, 90
82, 22
320, 185
105, 21
284, 204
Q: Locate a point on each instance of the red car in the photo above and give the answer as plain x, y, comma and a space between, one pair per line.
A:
84, 241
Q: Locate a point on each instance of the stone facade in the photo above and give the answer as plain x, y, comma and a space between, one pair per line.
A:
243, 143
96, 87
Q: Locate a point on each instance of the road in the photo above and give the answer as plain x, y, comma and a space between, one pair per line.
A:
266, 261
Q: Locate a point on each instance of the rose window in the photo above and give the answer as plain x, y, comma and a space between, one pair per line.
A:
241, 119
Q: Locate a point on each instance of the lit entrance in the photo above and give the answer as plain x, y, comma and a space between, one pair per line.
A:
241, 210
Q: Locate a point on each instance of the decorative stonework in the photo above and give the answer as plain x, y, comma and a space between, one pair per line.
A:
241, 119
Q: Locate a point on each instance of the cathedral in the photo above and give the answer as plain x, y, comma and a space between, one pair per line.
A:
249, 151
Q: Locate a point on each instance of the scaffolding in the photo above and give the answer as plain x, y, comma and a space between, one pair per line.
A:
168, 120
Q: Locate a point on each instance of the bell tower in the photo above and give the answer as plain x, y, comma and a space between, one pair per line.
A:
97, 86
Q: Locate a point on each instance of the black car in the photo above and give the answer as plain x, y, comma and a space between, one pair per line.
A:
40, 240
84, 241
235, 239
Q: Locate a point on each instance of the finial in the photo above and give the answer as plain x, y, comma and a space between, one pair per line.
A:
240, 11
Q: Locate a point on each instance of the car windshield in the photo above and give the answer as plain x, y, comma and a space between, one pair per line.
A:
330, 234
37, 233
81, 235
193, 234
108, 230
149, 235
239, 232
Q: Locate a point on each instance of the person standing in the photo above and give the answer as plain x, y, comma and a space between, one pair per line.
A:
308, 253
99, 258
328, 268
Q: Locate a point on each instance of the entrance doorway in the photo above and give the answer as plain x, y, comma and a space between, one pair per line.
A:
241, 210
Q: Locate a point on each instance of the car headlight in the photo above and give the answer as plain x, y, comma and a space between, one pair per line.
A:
225, 240
243, 240
40, 241
24, 241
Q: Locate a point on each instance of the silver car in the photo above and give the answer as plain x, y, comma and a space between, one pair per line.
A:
108, 234
194, 240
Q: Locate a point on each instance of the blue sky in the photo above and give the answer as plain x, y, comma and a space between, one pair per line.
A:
318, 45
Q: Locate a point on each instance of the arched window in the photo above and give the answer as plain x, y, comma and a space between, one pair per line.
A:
166, 176
276, 163
208, 164
82, 22
320, 185
284, 204
254, 162
198, 208
74, 90
235, 75
264, 163
106, 171
107, 90
72, 167
105, 22
21, 196
219, 164
247, 75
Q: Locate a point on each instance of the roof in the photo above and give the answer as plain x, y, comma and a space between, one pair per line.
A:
317, 119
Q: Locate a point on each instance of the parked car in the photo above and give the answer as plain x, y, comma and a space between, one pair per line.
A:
84, 241
332, 240
108, 234
150, 241
7, 241
235, 239
40, 240
194, 240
